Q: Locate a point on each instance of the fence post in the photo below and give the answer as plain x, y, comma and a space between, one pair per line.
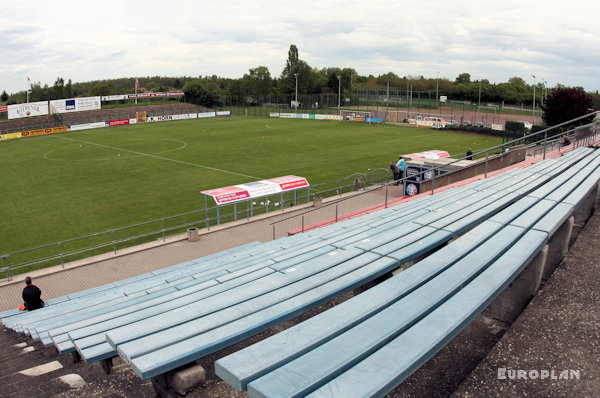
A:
433, 181
163, 228
114, 243
303, 223
336, 213
273, 231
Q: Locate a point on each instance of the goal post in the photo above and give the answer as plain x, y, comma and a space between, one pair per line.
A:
356, 116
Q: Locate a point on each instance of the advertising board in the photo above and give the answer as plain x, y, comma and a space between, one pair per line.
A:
30, 109
46, 131
75, 104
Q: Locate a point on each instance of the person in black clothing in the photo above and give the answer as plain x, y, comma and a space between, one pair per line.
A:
395, 170
32, 296
469, 154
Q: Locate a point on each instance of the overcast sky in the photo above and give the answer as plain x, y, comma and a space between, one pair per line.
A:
556, 41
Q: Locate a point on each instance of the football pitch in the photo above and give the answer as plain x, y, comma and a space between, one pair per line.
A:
63, 186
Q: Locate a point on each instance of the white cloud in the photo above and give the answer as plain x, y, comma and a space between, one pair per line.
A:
495, 40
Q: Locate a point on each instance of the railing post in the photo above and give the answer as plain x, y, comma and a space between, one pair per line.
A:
386, 195
6, 269
336, 213
114, 243
273, 231
432, 181
61, 254
545, 143
303, 223
486, 164
163, 228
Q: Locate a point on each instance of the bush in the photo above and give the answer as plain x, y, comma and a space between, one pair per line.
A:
515, 127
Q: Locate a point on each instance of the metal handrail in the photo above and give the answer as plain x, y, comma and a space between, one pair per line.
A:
485, 151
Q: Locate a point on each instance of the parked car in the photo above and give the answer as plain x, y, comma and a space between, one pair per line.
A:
478, 124
465, 124
527, 125
452, 123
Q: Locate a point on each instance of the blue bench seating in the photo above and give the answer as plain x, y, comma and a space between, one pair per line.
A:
210, 303
369, 344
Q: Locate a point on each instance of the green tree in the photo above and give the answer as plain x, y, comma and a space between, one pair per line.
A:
4, 96
294, 66
58, 89
258, 81
201, 93
101, 89
463, 78
517, 81
565, 104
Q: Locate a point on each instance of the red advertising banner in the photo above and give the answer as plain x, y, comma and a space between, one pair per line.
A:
228, 194
290, 182
118, 122
3, 108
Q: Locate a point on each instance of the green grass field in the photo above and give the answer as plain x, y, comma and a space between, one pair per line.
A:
69, 185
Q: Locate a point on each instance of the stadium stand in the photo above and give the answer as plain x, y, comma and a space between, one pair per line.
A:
188, 311
369, 344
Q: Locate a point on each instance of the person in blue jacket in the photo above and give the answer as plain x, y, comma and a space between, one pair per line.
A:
400, 166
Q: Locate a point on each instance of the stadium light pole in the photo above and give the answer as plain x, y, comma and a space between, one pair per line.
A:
533, 107
544, 91
296, 76
339, 89
437, 81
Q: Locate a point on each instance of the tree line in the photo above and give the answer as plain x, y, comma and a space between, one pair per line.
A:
259, 85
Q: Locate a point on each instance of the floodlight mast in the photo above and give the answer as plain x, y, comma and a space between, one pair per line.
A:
437, 81
296, 76
339, 89
533, 108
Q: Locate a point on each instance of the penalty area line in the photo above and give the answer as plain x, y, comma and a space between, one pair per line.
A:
159, 157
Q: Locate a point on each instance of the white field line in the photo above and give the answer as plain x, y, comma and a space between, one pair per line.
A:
159, 157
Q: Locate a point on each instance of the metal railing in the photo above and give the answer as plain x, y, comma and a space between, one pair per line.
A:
112, 240
543, 138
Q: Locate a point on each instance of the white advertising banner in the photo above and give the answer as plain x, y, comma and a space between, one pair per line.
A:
206, 114
256, 189
119, 97
30, 109
224, 113
87, 126
114, 97
165, 118
75, 105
